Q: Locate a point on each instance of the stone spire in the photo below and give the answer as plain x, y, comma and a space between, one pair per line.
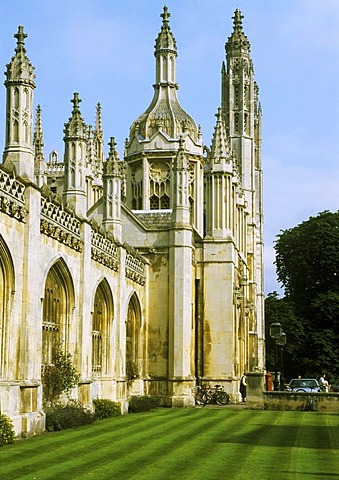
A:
220, 153
39, 157
75, 128
239, 96
75, 138
19, 110
181, 206
112, 180
221, 176
164, 113
99, 140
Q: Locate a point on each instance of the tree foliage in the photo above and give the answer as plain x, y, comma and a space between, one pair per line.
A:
58, 378
307, 258
307, 263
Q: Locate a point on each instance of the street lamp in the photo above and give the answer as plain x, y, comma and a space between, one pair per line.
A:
275, 333
282, 342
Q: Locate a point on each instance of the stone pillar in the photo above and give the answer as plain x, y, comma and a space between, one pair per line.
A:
255, 387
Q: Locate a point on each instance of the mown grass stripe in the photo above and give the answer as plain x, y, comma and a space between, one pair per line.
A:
108, 432
143, 448
181, 444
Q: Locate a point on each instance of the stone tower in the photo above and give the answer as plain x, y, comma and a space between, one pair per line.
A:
164, 156
242, 113
19, 110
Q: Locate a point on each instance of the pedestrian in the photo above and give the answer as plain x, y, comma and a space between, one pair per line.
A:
243, 386
323, 383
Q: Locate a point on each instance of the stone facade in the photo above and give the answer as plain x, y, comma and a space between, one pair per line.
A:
154, 260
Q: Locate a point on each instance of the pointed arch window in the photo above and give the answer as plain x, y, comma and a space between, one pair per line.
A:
51, 325
137, 186
160, 185
101, 330
2, 317
133, 334
6, 287
57, 305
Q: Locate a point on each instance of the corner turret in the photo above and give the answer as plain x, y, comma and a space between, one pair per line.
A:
20, 87
75, 139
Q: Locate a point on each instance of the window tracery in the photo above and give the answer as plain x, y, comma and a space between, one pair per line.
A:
160, 185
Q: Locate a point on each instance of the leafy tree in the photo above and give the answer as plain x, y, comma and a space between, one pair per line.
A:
307, 262
279, 309
307, 258
58, 378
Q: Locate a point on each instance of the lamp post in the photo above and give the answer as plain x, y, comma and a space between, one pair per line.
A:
275, 333
282, 342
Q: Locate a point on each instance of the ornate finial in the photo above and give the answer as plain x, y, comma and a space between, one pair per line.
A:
237, 42
165, 15
20, 36
237, 20
112, 144
165, 38
76, 126
98, 120
76, 100
38, 139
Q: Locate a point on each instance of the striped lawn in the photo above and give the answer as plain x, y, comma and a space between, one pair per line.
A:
211, 443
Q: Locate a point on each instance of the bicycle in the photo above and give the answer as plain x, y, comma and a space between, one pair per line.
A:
205, 395
199, 394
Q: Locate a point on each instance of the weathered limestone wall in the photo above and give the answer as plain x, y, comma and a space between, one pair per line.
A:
32, 253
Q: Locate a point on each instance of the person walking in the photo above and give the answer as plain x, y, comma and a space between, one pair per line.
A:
243, 386
323, 383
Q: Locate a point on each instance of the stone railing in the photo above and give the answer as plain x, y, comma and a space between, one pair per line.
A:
12, 200
59, 224
104, 250
55, 168
135, 266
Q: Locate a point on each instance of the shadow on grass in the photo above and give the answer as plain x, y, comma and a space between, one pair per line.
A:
306, 436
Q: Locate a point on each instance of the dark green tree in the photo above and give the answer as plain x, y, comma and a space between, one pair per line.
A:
280, 310
307, 262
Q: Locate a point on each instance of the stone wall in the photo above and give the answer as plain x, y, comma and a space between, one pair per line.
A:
317, 402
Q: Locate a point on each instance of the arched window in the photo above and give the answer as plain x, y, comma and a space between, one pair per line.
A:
56, 311
6, 287
160, 174
133, 334
101, 323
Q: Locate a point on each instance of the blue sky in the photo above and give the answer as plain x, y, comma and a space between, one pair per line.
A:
103, 49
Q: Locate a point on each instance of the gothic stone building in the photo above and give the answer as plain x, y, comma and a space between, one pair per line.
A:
153, 261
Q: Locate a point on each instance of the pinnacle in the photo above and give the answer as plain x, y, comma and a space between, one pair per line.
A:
20, 36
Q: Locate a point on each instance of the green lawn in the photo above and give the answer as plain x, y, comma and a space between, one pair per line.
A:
199, 443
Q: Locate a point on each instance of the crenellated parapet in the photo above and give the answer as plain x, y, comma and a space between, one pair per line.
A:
60, 224
104, 249
135, 265
12, 201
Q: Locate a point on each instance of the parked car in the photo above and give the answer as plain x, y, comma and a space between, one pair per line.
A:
303, 385
335, 387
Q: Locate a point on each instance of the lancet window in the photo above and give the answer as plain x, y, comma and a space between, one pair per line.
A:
133, 324
56, 310
137, 186
101, 330
53, 306
6, 287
